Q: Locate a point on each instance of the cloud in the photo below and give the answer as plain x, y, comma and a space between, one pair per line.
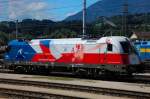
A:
35, 6
20, 9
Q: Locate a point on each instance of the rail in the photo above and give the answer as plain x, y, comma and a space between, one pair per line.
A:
90, 89
15, 93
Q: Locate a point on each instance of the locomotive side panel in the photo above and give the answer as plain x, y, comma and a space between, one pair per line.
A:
108, 53
143, 50
19, 51
69, 52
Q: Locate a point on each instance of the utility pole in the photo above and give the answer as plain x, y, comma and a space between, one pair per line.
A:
84, 19
124, 18
145, 21
16, 29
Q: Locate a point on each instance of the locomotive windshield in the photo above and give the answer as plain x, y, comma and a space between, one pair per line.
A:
127, 47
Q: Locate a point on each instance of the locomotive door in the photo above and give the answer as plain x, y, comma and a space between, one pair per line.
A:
108, 54
103, 53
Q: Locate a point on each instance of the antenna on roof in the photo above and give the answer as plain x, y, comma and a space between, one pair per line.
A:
84, 19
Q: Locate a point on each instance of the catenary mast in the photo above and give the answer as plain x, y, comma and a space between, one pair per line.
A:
125, 19
84, 19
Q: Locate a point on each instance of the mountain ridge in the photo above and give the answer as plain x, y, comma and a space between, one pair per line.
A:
110, 8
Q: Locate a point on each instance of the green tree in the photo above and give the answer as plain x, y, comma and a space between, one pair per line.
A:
63, 33
3, 38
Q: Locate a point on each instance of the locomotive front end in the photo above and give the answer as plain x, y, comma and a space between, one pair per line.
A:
134, 62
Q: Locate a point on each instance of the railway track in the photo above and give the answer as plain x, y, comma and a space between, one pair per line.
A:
26, 94
89, 89
134, 79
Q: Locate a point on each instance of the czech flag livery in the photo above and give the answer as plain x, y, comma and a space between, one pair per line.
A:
106, 50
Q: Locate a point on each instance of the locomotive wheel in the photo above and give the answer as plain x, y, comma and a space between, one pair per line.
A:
43, 70
20, 69
94, 73
82, 73
130, 71
1, 63
30, 70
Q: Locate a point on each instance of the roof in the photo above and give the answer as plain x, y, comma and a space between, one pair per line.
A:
140, 35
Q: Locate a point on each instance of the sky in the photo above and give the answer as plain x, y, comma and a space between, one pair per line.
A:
56, 10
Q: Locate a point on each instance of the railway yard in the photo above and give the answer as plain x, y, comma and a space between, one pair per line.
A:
64, 87
83, 49
68, 86
32, 81
94, 50
58, 85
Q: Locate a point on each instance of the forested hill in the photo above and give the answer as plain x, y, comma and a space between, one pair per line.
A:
31, 28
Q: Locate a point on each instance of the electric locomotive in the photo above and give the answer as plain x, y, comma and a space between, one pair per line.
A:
114, 54
143, 49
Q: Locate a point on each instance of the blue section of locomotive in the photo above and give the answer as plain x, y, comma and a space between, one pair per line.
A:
45, 43
143, 49
19, 50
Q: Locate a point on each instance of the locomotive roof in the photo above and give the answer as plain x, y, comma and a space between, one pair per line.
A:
68, 40
113, 38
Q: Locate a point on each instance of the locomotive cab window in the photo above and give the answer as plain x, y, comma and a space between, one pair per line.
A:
125, 47
109, 47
